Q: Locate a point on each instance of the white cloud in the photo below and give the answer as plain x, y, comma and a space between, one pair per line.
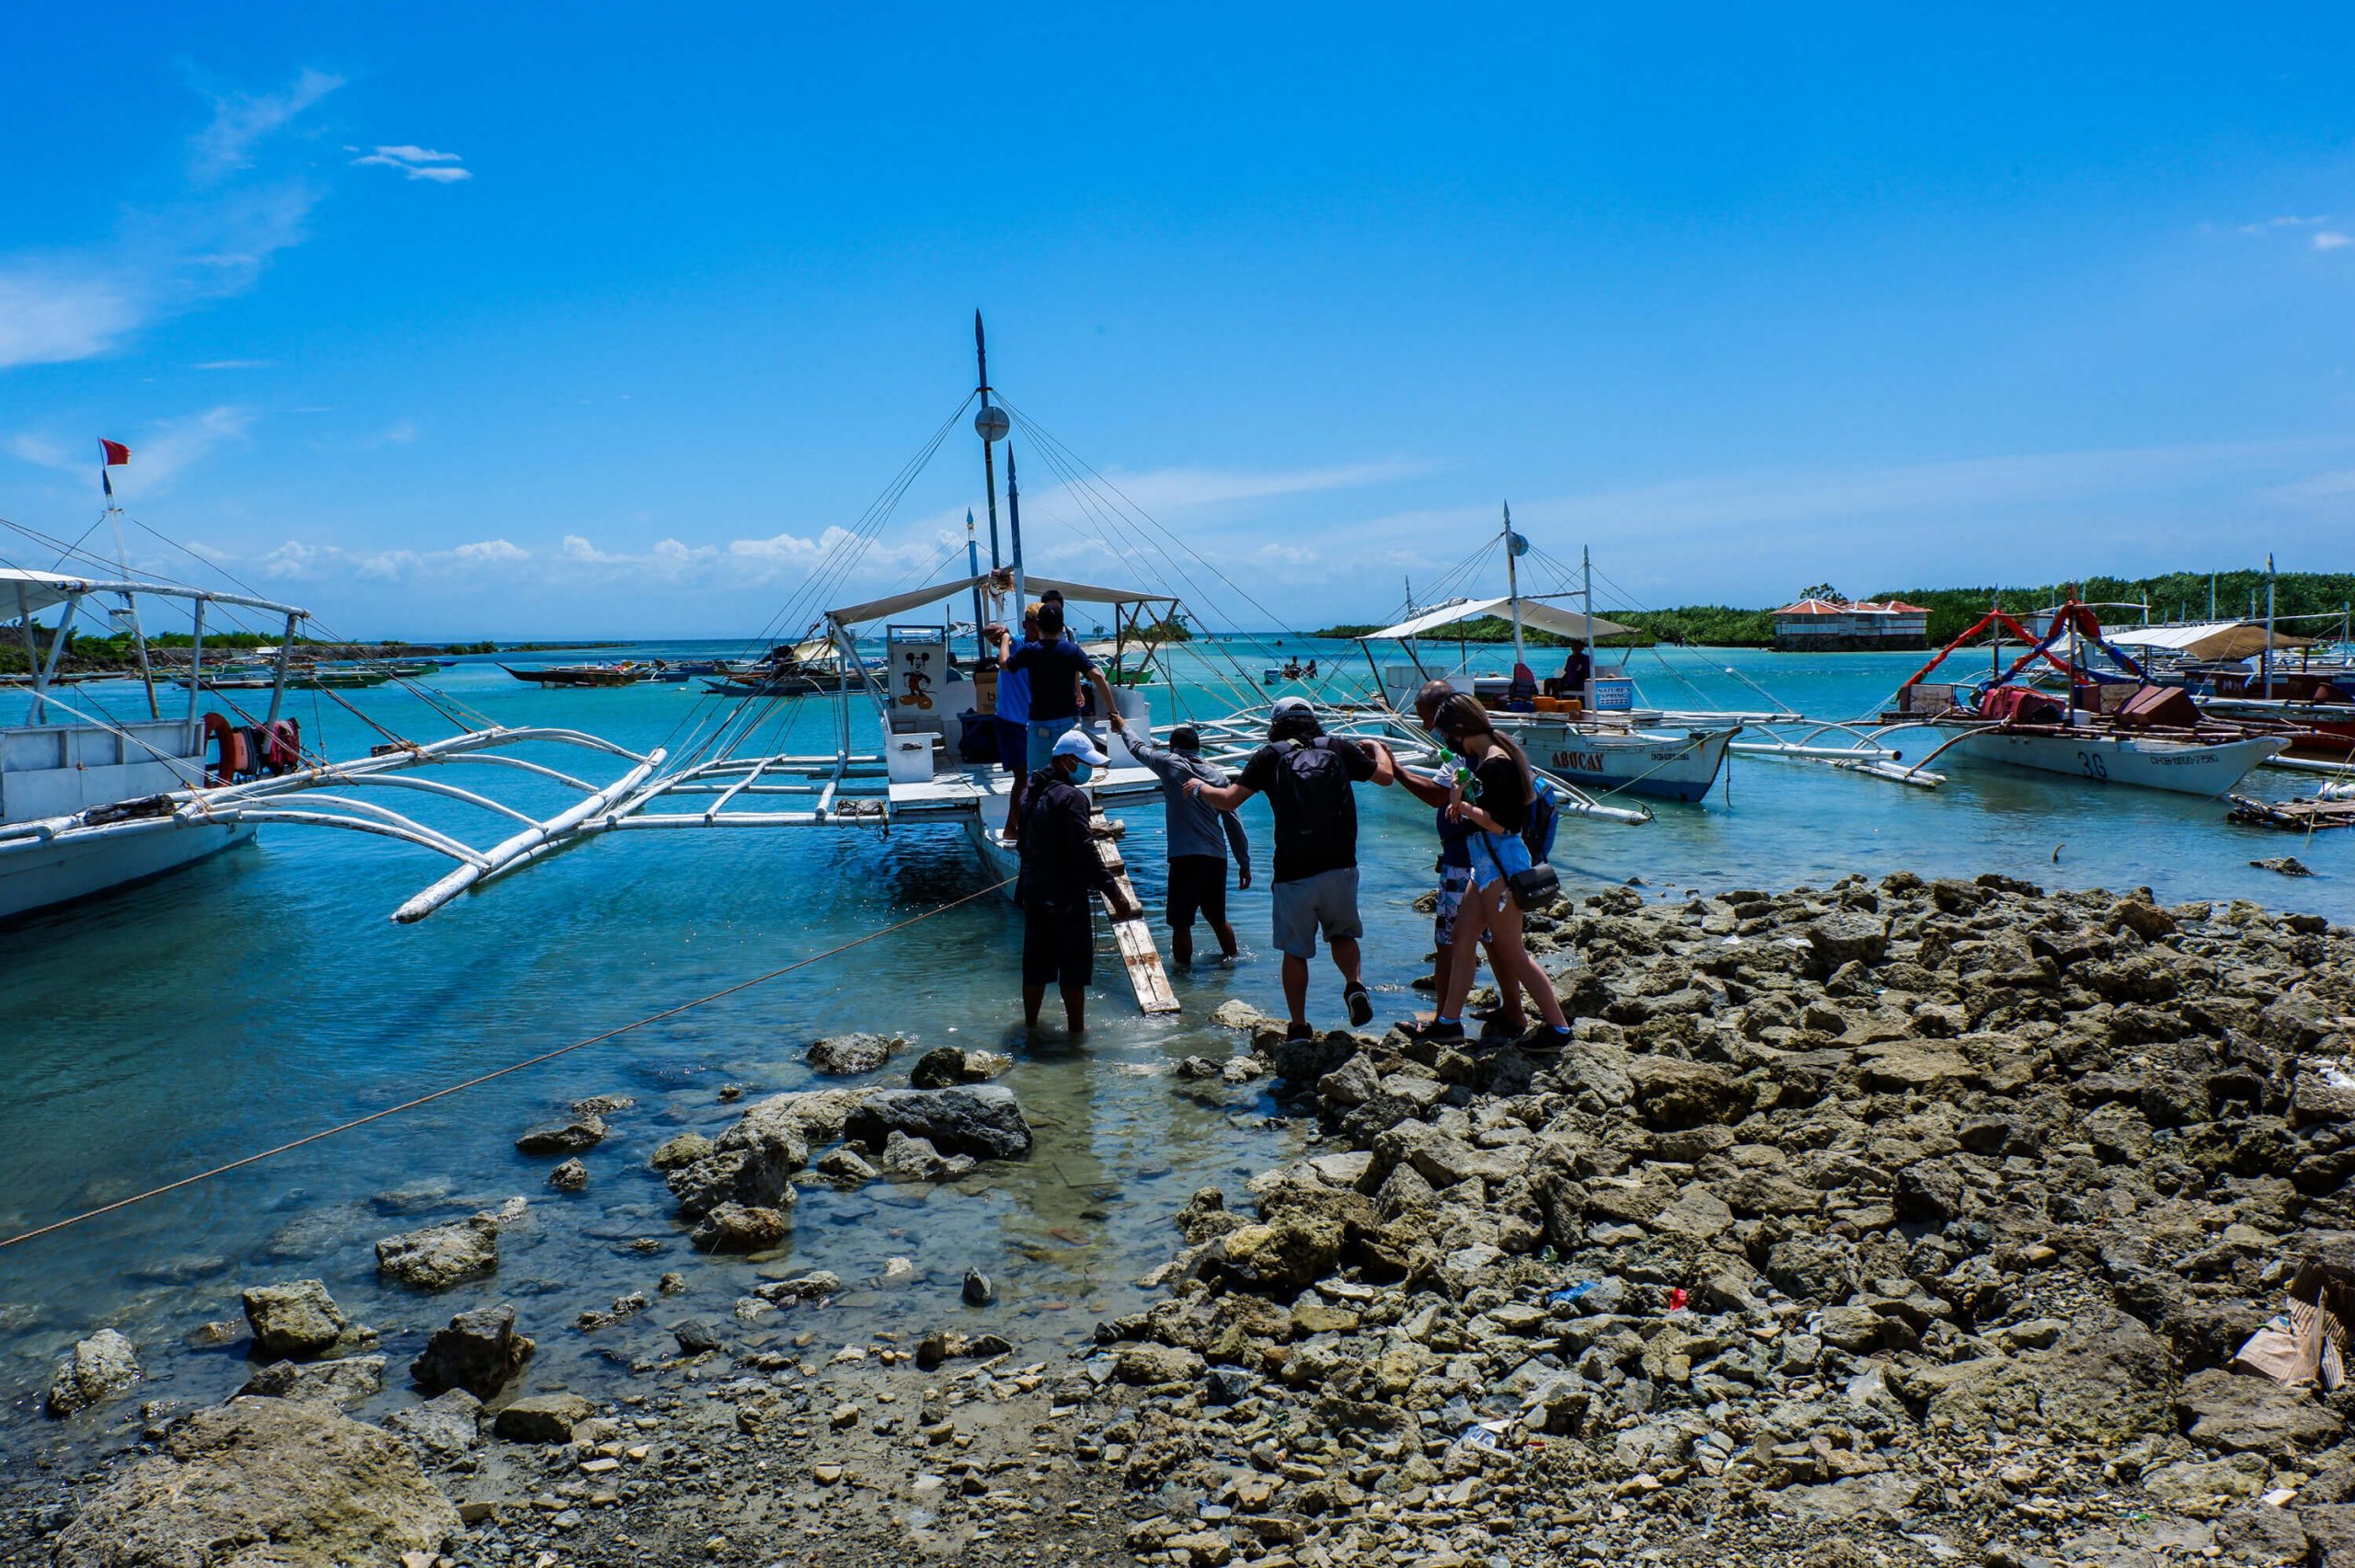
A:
242, 119
490, 550
158, 451
2330, 240
416, 163
234, 365
64, 304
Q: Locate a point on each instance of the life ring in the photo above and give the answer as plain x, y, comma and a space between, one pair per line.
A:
235, 757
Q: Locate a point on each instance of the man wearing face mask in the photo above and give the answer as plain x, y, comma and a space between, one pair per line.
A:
1061, 874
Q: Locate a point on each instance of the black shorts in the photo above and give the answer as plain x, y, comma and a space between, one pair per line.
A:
1197, 886
1059, 946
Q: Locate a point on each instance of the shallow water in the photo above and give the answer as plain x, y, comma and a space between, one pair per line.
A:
263, 994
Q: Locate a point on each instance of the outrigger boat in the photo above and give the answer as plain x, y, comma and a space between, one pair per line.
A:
623, 674
1595, 739
88, 802
2154, 738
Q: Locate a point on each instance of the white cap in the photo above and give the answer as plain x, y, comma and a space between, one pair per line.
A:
1292, 706
1074, 743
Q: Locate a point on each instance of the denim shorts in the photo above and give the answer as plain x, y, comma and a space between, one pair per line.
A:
1497, 855
1044, 732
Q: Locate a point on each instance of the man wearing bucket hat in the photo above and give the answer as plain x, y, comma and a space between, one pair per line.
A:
1306, 777
1061, 874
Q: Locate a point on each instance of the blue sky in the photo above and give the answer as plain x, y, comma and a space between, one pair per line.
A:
521, 321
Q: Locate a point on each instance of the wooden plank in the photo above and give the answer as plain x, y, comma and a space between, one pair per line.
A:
1134, 935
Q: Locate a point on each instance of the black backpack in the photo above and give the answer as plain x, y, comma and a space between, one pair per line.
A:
1319, 813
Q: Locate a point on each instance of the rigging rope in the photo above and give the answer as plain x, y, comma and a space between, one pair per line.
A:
476, 1081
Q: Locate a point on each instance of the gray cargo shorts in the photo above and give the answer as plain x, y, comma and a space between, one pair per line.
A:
1326, 901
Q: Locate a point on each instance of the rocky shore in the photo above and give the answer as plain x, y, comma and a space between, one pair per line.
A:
1915, 1222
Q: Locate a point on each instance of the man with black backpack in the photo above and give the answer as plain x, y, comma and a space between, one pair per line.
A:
1307, 777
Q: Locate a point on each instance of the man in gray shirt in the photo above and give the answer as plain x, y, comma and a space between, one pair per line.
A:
1199, 835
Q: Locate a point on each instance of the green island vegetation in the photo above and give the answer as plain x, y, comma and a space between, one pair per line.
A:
2171, 596
117, 651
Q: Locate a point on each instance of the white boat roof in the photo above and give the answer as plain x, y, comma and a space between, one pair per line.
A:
2210, 639
1535, 611
1080, 592
24, 592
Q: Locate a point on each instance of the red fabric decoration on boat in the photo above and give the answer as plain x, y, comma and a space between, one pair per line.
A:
2018, 704
116, 453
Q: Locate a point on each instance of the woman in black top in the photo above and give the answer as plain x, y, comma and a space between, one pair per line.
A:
1494, 799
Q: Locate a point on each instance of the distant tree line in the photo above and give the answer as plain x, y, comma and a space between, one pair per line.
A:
2171, 596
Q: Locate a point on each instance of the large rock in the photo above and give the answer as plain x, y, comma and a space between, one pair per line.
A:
442, 1255
573, 1137
1673, 1092
1283, 1255
847, 1055
542, 1418
982, 1121
444, 1427
479, 1351
1846, 937
296, 1320
258, 1483
948, 1066
739, 1227
348, 1381
2247, 1415
753, 1161
101, 1367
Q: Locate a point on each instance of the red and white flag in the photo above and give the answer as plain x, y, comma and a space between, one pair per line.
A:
116, 453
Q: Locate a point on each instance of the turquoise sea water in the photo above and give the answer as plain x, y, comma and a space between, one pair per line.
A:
256, 997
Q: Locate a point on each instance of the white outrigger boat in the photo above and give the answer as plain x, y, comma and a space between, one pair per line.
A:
1595, 740
88, 802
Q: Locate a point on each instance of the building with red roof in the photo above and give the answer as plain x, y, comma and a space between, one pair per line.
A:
1833, 626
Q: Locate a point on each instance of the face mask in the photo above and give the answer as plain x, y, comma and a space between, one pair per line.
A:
1081, 773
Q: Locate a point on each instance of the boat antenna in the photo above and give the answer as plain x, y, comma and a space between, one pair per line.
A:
1014, 520
991, 425
2266, 661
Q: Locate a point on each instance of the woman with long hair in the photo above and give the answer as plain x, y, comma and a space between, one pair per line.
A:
1492, 794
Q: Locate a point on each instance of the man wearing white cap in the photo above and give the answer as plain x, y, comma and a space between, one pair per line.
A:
1061, 874
1306, 777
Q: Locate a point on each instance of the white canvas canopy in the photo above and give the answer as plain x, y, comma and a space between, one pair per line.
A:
1535, 612
1076, 593
25, 593
2210, 639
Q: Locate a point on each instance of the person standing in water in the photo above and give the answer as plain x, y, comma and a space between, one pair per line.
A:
1013, 717
1307, 777
1061, 874
1455, 869
1199, 837
1495, 801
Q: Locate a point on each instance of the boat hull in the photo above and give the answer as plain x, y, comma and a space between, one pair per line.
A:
44, 875
1660, 765
2206, 769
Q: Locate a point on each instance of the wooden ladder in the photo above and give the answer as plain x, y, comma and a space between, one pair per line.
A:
1135, 936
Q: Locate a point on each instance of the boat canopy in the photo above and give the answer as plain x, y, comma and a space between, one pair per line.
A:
1535, 611
1080, 592
25, 593
2210, 639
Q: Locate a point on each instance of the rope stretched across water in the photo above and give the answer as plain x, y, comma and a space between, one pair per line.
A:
326, 1133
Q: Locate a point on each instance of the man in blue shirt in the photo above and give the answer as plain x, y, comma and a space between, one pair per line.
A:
1014, 719
1199, 838
1054, 664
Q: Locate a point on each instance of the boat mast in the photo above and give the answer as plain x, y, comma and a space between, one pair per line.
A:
1014, 520
982, 652
130, 602
2265, 659
1513, 588
1586, 610
990, 424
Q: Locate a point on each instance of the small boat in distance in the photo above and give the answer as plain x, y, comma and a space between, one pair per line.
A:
624, 674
